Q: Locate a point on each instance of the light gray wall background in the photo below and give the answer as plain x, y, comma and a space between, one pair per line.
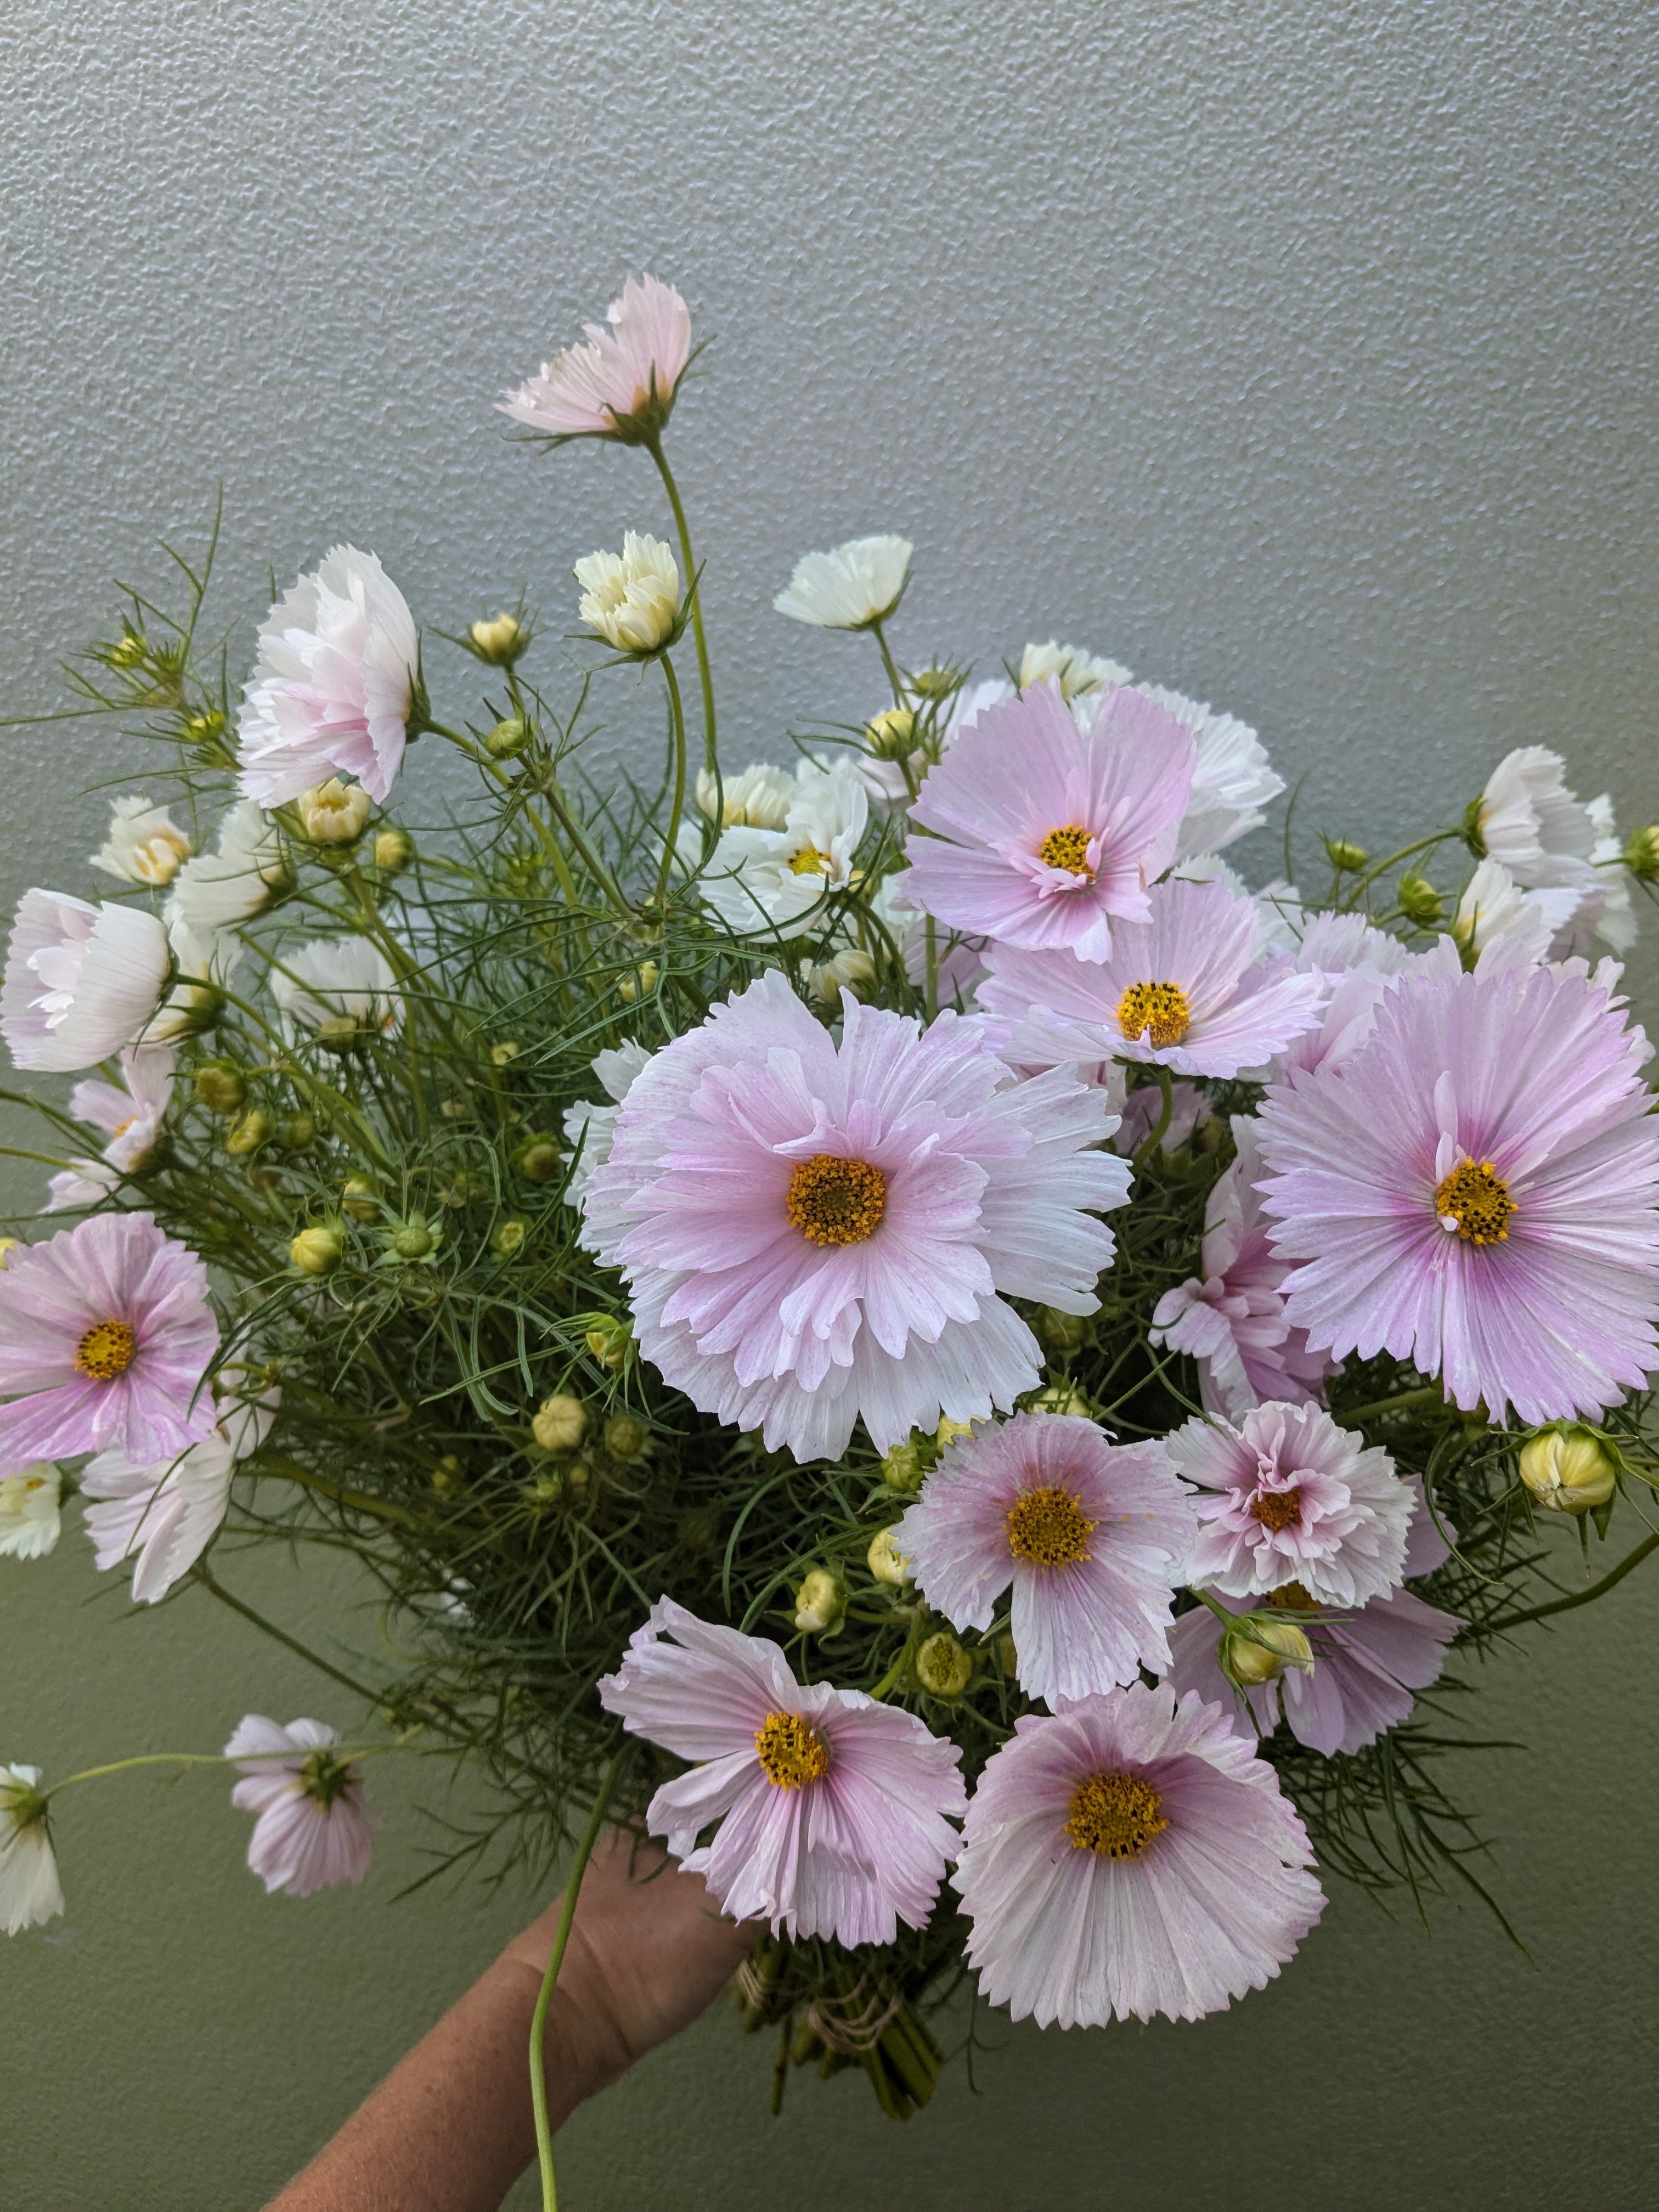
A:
1301, 356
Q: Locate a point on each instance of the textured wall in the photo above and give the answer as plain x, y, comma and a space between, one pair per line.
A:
1299, 356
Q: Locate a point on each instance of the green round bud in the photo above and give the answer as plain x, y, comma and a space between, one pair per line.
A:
944, 1667
448, 1477
1641, 853
1419, 901
509, 737
337, 1034
625, 1437
1063, 1398
414, 1240
250, 1132
393, 850
1255, 1650
610, 1340
1347, 859
1066, 1331
296, 1132
902, 1468
317, 1251
361, 1198
539, 1159
220, 1086
820, 1603
559, 1423
508, 1236
934, 682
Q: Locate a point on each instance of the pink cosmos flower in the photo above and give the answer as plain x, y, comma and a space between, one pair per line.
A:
622, 384
313, 1829
1091, 1534
1359, 963
131, 1117
815, 1233
1287, 1496
81, 982
1366, 1665
1182, 989
832, 1809
1231, 1320
106, 1334
334, 685
1044, 836
1475, 1191
1128, 1856
164, 1515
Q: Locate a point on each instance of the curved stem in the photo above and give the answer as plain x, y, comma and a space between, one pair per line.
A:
1632, 1559
556, 1959
676, 711
1429, 1395
888, 661
705, 680
1155, 1136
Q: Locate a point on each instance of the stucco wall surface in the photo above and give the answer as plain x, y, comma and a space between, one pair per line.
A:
1301, 357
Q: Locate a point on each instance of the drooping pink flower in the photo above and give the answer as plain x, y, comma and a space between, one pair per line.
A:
313, 1829
814, 1233
81, 982
1046, 837
1287, 1496
1127, 1856
1475, 1191
622, 383
833, 1810
163, 1517
1091, 1536
333, 687
131, 1117
1182, 989
1231, 1320
106, 1334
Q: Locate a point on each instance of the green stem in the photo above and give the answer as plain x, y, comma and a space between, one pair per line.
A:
203, 1575
202, 1759
676, 711
1155, 1136
888, 662
1429, 1395
1584, 1597
1362, 883
539, 2019
692, 585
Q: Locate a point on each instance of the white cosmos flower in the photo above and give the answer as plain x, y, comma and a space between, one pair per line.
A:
772, 880
144, 845
30, 1892
337, 979
632, 599
1079, 675
216, 891
757, 798
1232, 783
851, 586
81, 981
30, 1521
588, 1127
1526, 818
164, 1515
1506, 926
334, 684
130, 1114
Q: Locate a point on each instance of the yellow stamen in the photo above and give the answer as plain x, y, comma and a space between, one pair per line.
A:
809, 861
1050, 1529
835, 1201
1159, 1009
1277, 1508
791, 1751
1291, 1597
1118, 1815
1477, 1199
108, 1349
1067, 848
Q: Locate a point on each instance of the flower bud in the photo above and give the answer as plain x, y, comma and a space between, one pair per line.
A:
499, 641
295, 1131
887, 1562
935, 683
821, 1603
944, 1667
250, 1132
447, 1477
849, 970
559, 1423
414, 1240
1063, 1398
890, 735
393, 850
202, 729
508, 1236
509, 737
539, 1159
220, 1086
626, 1436
1568, 1468
610, 1340
1255, 1649
1419, 901
902, 1468
948, 1431
632, 599
1641, 853
1347, 859
339, 1033
641, 983
1064, 1332
334, 813
361, 1198
504, 1053
317, 1251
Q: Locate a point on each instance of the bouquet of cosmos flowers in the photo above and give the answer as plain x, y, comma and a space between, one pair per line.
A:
884, 1319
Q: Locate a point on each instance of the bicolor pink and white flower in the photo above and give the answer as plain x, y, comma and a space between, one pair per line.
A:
1092, 1536
30, 1891
164, 1515
851, 586
623, 381
1130, 1857
1288, 1496
814, 1233
145, 845
131, 1115
81, 981
106, 1336
1231, 1320
334, 685
1045, 836
312, 1829
1183, 989
1476, 1191
834, 1811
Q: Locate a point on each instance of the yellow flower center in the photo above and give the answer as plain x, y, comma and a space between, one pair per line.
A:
1477, 1199
1050, 1529
1277, 1508
1067, 848
1157, 1010
1291, 1597
1118, 1815
791, 1751
809, 861
835, 1201
108, 1349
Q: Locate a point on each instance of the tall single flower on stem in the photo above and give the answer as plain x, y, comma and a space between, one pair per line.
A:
1476, 1192
1045, 836
622, 382
312, 1828
632, 599
1092, 1536
105, 1335
854, 587
81, 981
1182, 989
833, 1811
335, 687
1128, 1856
813, 1233
30, 1892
